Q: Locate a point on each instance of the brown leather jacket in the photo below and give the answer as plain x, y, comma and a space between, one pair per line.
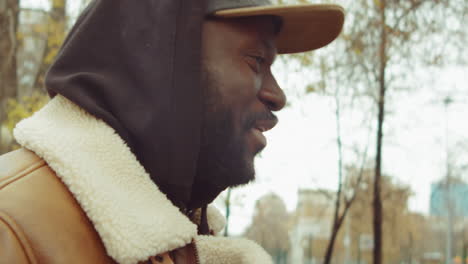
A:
41, 222
76, 194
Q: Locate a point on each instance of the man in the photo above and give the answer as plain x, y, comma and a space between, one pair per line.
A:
157, 106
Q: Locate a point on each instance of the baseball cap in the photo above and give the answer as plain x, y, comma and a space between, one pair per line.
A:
304, 27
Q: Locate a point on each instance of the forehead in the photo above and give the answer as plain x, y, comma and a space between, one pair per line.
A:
236, 30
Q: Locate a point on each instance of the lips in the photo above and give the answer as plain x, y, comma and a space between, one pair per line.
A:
260, 138
263, 126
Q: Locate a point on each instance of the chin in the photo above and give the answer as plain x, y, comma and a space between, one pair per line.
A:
246, 173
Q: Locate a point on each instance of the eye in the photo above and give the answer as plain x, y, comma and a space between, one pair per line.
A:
260, 60
256, 62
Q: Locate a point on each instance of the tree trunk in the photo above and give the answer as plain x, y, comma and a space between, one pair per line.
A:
331, 242
227, 203
465, 245
56, 27
9, 10
336, 229
410, 259
377, 203
337, 218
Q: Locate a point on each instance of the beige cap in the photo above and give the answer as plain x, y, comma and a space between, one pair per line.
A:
304, 28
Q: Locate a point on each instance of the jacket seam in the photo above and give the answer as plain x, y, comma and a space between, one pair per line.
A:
24, 172
11, 225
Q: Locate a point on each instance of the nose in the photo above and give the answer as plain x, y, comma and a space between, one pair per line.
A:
272, 95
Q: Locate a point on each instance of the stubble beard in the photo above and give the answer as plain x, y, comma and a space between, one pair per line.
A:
223, 160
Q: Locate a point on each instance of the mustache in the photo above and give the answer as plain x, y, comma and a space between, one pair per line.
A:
253, 118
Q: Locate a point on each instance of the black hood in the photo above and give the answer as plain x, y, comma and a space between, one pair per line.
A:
136, 65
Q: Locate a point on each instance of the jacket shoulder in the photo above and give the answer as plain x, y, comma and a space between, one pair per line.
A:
17, 164
18, 249
14, 166
45, 212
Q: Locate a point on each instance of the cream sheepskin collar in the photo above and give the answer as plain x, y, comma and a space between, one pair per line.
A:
133, 218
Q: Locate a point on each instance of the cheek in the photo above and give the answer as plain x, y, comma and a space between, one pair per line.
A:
242, 97
242, 84
238, 87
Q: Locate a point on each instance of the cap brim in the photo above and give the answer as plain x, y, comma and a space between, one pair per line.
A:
305, 27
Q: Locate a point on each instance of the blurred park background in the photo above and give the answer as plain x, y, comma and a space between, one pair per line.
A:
369, 163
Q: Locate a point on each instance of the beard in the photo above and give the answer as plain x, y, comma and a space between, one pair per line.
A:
223, 160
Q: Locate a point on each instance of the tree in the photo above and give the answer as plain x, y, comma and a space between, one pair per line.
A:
384, 41
343, 204
18, 109
229, 200
227, 204
343, 198
56, 29
388, 31
269, 227
9, 10
17, 99
32, 38
399, 225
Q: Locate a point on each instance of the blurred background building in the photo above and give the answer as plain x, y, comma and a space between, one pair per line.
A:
410, 237
310, 227
456, 191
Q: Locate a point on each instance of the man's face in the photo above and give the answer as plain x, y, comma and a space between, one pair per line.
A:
241, 94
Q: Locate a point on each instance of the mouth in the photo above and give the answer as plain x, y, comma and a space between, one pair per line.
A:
260, 127
265, 125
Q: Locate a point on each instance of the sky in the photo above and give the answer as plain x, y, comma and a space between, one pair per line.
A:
301, 151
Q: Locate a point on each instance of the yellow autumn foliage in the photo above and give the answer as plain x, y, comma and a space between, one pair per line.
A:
58, 3
56, 34
23, 108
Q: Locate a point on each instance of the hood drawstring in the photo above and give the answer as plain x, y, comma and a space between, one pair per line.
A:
203, 228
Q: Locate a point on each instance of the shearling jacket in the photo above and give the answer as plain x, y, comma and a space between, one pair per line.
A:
75, 193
